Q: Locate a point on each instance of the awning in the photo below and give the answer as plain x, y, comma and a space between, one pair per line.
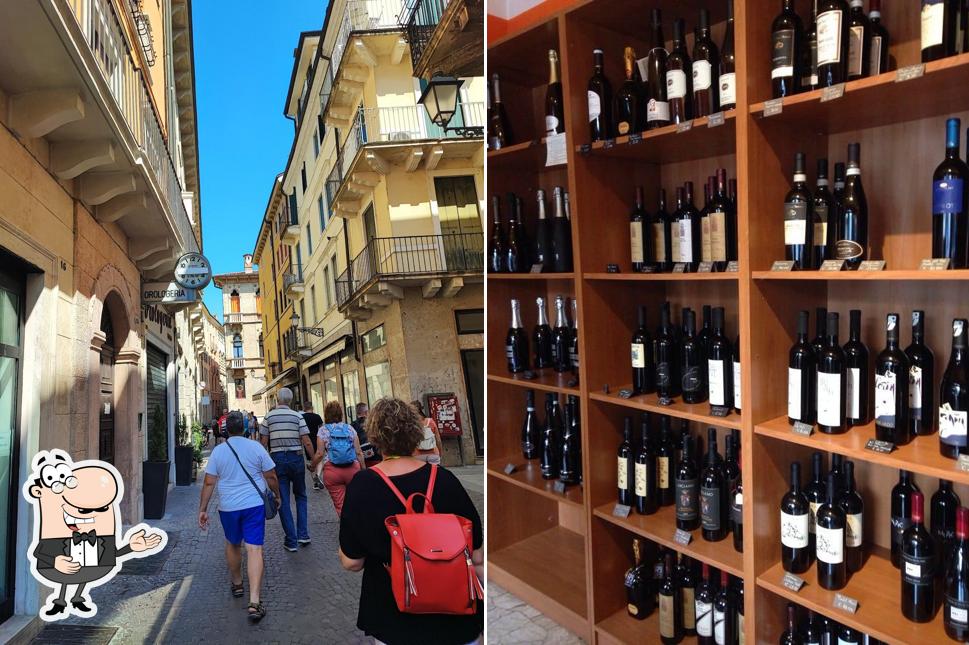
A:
336, 346
276, 381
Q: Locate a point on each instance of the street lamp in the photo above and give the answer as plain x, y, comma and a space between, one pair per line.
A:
440, 100
294, 323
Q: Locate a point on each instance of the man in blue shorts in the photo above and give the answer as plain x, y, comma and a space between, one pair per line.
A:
241, 507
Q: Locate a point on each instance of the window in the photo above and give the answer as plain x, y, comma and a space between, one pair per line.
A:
469, 321
298, 269
240, 388
261, 349
302, 313
378, 382
258, 301
309, 240
234, 302
333, 275
302, 174
320, 129
237, 346
457, 205
326, 287
374, 339
322, 209
313, 303
351, 392
330, 392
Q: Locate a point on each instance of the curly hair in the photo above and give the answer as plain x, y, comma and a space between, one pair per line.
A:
394, 427
332, 412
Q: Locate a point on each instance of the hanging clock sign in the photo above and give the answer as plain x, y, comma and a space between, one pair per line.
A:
193, 271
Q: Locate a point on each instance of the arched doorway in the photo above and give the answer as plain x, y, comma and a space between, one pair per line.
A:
106, 426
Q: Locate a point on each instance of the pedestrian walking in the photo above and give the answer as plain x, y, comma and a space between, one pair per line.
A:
339, 452
284, 434
241, 507
245, 425
370, 453
396, 429
313, 422
220, 431
430, 448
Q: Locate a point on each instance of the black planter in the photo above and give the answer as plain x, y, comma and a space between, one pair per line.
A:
154, 478
184, 459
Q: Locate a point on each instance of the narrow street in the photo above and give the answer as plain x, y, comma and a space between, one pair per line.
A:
182, 595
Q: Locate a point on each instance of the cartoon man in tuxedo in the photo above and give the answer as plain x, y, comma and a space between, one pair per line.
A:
77, 522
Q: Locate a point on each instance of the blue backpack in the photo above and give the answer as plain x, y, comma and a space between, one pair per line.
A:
341, 451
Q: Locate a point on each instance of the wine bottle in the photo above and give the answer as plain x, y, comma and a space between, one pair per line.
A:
599, 100
791, 635
645, 473
832, 570
686, 582
856, 373
833, 41
918, 567
574, 345
719, 358
801, 377
737, 508
901, 512
640, 599
954, 395
706, 332
921, 379
543, 236
516, 342
530, 429
637, 240
691, 237
705, 595
659, 230
787, 32
551, 438
837, 469
853, 507
950, 202
815, 493
891, 388
657, 106
705, 241
795, 519
820, 340
724, 614
641, 351
859, 41
798, 219
943, 522
939, 27
955, 613
813, 631
839, 182
736, 376
498, 248
561, 337
679, 76
665, 464
706, 66
852, 243
809, 53
499, 129
561, 236
571, 467
731, 466
738, 594
516, 254
542, 338
878, 61
625, 467
627, 98
554, 117
823, 211
667, 357
849, 636
687, 489
670, 605
675, 227
713, 501
728, 65
721, 218
693, 364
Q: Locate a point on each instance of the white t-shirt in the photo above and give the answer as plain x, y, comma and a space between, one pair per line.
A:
235, 490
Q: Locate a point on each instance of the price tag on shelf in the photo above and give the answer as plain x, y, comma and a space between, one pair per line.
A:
559, 487
623, 394
782, 265
585, 148
792, 582
845, 603
715, 119
877, 445
621, 510
733, 266
773, 106
555, 154
719, 410
509, 469
635, 138
682, 537
705, 267
665, 400
832, 265
872, 265
833, 92
684, 126
612, 268
910, 72
934, 264
536, 268
679, 267
803, 428
964, 462
648, 268
608, 143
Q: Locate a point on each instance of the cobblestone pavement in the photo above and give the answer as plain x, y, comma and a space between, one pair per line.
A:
182, 595
510, 620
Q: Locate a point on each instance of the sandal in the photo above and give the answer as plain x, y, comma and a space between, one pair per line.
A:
237, 590
256, 611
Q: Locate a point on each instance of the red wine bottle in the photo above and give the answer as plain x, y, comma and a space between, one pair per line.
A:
667, 357
657, 105
644, 492
705, 241
799, 219
530, 428
692, 363
939, 28
795, 516
599, 101
662, 240
624, 465
791, 635
831, 382
942, 523
809, 53
691, 238
724, 613
853, 507
950, 202
516, 342
706, 66
665, 464
551, 454
641, 352
687, 489
813, 631
787, 34
705, 595
852, 242
833, 42
721, 222
955, 613
802, 377
670, 604
859, 41
820, 340
815, 493
737, 509
640, 598
832, 571
498, 247
954, 395
679, 76
728, 64
542, 337
719, 364
901, 512
713, 498
637, 239
921, 380
731, 466
686, 581
918, 567
823, 212
737, 396
856, 373
891, 388
878, 62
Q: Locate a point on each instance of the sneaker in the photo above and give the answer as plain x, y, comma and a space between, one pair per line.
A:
291, 549
317, 484
304, 541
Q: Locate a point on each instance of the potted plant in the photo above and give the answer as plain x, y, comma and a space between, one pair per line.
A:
155, 470
198, 442
183, 455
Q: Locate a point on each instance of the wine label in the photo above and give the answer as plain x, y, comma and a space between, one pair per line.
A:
657, 111
957, 610
737, 509
794, 393
848, 250
915, 391
691, 380
741, 639
675, 242
667, 616
853, 392
710, 508
705, 246
689, 607
782, 58
918, 570
659, 241
675, 84
686, 499
856, 38
933, 21
854, 531
719, 627
718, 236
551, 124
952, 425
623, 127
829, 399
686, 240
663, 472
510, 351
638, 355
663, 374
885, 399
820, 231
813, 516
794, 530
728, 89
947, 195
595, 105
636, 241
704, 618
641, 476
701, 75
622, 473
736, 385
715, 375
795, 223
875, 58
830, 545
829, 37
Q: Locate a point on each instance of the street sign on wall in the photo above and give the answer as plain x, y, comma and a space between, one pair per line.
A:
166, 293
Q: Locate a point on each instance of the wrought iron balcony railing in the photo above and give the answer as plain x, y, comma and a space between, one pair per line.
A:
420, 20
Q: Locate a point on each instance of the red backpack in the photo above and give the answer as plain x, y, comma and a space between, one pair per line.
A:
430, 557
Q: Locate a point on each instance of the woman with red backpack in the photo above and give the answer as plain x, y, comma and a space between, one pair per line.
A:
339, 447
417, 519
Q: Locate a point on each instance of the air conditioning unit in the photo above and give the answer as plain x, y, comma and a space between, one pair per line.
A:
400, 136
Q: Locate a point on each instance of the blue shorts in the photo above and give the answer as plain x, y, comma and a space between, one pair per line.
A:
248, 524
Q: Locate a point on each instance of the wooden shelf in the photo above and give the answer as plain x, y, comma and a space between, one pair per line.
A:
512, 277
528, 475
660, 526
650, 402
889, 276
620, 628
669, 145
546, 380
921, 455
514, 55
876, 587
545, 570
880, 100
528, 155
661, 277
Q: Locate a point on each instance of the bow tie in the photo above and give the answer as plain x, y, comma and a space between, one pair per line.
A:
77, 537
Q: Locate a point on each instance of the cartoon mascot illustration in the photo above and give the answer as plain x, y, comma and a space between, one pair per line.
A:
77, 524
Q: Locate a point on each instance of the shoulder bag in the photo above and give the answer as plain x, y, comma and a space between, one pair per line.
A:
268, 497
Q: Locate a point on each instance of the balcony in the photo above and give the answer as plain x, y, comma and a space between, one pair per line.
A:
290, 233
293, 281
436, 263
237, 364
233, 318
447, 36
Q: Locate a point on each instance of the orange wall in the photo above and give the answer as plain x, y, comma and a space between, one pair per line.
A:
499, 27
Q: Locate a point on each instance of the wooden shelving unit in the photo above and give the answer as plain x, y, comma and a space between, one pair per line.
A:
566, 553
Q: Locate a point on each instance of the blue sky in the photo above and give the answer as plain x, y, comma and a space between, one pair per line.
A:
243, 61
